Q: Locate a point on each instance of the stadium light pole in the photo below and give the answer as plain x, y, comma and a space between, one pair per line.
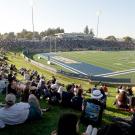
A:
55, 44
50, 44
32, 13
98, 13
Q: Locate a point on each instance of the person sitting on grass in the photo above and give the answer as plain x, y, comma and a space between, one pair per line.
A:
76, 101
16, 113
69, 125
26, 92
129, 91
122, 100
2, 84
12, 87
121, 88
67, 96
92, 109
53, 80
105, 89
100, 96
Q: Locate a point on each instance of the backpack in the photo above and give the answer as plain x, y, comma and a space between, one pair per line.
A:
92, 112
54, 98
76, 102
66, 98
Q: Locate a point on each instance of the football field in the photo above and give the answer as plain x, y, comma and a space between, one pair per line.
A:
99, 63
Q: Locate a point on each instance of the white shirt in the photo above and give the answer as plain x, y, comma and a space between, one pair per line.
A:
16, 114
26, 76
121, 90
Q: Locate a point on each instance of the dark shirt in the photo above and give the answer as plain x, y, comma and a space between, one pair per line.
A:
76, 102
66, 98
11, 90
53, 80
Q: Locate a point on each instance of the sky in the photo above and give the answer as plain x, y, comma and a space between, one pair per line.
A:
117, 16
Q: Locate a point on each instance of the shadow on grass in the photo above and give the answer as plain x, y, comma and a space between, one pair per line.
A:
109, 119
116, 110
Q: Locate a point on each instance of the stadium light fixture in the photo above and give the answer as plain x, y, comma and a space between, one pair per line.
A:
98, 13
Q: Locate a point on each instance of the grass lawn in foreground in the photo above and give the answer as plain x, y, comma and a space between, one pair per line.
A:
50, 118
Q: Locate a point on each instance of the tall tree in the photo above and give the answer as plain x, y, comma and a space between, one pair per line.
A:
37, 35
86, 30
128, 39
22, 33
10, 36
111, 38
91, 33
28, 35
51, 31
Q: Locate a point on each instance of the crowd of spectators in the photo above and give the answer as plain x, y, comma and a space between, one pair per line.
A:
36, 87
65, 44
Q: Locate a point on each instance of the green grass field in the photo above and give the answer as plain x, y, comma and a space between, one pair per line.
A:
115, 61
112, 60
49, 121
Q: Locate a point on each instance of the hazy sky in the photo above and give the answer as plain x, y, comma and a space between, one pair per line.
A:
117, 17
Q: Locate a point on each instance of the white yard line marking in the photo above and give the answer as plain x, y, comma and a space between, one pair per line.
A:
116, 72
123, 73
67, 67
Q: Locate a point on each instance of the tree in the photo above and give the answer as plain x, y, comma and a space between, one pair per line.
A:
51, 31
22, 33
10, 36
91, 33
28, 35
86, 30
111, 38
5, 35
37, 35
42, 34
19, 35
128, 39
59, 30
